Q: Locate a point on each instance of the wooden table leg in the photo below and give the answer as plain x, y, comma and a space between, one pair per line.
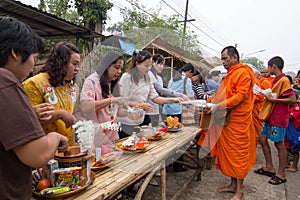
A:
145, 184
163, 180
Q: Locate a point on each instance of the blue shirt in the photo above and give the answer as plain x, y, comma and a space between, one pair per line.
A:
175, 108
212, 86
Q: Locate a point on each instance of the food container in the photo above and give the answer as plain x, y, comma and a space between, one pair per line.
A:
135, 113
76, 158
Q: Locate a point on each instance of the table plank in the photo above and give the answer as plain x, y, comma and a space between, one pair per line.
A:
130, 167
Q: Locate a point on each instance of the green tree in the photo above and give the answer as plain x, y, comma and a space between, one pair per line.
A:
255, 62
142, 26
90, 13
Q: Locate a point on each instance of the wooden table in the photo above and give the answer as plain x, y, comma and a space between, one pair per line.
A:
133, 166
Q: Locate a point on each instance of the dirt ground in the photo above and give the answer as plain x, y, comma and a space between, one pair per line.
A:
255, 186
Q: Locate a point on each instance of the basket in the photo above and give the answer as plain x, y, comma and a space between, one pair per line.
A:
76, 159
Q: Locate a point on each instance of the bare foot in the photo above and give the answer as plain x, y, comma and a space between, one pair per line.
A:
292, 169
238, 196
229, 188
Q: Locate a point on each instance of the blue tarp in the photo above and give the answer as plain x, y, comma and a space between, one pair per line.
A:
127, 48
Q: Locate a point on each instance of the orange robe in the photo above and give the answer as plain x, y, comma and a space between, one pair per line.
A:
235, 147
258, 101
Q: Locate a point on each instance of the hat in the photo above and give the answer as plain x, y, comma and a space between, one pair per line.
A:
108, 58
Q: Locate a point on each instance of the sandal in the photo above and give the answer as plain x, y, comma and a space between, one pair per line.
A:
275, 180
261, 171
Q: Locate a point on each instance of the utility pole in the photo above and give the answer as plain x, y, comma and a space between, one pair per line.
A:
185, 21
185, 16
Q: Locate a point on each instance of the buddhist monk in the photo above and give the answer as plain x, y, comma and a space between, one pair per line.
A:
265, 73
233, 155
258, 101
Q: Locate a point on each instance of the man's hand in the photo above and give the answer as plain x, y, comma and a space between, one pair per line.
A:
63, 144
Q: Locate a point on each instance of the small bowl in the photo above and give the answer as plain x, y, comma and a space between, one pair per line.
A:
135, 113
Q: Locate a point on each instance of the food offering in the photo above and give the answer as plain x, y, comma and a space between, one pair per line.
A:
152, 133
173, 124
133, 144
66, 183
104, 157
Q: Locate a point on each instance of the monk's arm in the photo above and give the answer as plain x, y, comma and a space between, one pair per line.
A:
243, 90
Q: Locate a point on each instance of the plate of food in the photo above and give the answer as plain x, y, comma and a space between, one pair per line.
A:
174, 129
133, 144
173, 124
106, 160
43, 188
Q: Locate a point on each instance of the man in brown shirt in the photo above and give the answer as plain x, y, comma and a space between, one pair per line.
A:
23, 143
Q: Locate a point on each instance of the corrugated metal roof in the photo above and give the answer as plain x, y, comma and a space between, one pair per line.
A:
45, 24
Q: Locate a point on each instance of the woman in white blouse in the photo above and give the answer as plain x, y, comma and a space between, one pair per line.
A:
138, 90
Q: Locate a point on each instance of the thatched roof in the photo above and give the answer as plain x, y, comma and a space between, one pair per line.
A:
174, 55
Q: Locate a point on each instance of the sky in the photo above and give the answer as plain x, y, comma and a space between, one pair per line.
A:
260, 28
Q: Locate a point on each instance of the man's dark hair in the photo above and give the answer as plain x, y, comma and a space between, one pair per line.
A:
185, 68
278, 61
231, 50
18, 36
215, 73
298, 73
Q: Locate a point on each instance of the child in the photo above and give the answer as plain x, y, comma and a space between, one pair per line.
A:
292, 138
275, 113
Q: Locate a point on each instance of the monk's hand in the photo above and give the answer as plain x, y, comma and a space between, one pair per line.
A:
213, 108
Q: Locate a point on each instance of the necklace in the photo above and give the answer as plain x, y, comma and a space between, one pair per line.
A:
111, 109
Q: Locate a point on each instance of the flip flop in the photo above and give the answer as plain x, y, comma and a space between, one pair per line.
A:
261, 171
275, 180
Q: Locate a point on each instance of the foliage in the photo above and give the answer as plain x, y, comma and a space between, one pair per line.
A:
93, 12
255, 62
90, 13
143, 27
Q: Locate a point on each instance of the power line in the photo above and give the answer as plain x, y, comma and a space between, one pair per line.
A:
119, 6
140, 8
193, 24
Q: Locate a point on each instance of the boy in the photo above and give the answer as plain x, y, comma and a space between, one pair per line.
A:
275, 113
